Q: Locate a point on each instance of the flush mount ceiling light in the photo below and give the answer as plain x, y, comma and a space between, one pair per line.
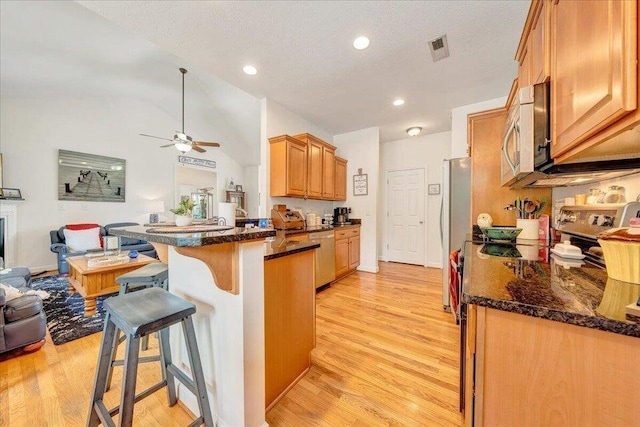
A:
361, 43
398, 102
250, 70
414, 131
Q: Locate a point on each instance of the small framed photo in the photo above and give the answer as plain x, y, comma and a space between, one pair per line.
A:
10, 193
434, 189
238, 187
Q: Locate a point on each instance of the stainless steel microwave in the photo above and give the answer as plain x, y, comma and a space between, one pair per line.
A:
525, 142
526, 148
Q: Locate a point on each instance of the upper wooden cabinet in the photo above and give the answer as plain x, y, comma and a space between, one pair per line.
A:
288, 165
340, 188
305, 166
533, 50
594, 78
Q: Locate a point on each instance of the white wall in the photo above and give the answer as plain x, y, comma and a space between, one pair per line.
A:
277, 120
426, 152
459, 124
362, 150
33, 130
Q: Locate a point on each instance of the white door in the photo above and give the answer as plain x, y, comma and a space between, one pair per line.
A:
406, 227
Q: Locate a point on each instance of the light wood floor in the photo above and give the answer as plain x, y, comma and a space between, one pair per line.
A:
386, 355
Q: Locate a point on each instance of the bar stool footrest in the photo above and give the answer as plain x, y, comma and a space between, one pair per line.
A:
140, 396
185, 380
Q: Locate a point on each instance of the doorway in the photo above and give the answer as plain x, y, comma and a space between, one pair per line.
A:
406, 215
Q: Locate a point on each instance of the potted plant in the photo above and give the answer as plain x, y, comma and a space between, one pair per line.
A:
183, 212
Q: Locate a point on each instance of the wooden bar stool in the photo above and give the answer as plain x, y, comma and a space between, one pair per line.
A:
138, 314
155, 274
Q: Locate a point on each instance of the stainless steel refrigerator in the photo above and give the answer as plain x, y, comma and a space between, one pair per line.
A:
455, 213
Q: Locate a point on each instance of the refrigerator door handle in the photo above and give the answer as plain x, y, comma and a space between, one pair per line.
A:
441, 219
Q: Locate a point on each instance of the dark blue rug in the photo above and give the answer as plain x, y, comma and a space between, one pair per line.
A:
64, 311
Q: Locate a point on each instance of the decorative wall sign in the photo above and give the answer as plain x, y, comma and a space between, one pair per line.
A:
197, 162
89, 177
434, 189
360, 184
10, 193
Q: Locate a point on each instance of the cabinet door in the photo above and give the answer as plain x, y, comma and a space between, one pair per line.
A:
593, 69
354, 252
340, 179
328, 173
539, 46
524, 68
296, 169
342, 256
314, 170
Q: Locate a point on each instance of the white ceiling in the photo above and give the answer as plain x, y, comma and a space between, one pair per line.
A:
62, 50
306, 62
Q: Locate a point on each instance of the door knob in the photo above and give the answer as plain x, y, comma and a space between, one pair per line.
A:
421, 222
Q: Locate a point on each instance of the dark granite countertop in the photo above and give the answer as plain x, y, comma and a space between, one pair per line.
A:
281, 247
524, 279
194, 239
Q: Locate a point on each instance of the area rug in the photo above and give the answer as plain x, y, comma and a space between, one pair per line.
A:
64, 311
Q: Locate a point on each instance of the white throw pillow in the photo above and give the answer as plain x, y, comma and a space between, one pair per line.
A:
82, 240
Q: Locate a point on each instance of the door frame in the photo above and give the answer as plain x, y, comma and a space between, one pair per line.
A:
385, 246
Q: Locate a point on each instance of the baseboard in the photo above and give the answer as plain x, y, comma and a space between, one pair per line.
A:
369, 268
434, 264
43, 268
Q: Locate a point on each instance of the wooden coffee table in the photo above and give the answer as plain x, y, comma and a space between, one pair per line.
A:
92, 282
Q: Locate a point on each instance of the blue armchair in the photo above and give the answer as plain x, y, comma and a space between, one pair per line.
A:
59, 247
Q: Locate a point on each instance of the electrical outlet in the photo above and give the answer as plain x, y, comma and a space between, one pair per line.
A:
61, 206
85, 207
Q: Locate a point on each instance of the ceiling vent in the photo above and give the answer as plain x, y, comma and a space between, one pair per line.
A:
439, 48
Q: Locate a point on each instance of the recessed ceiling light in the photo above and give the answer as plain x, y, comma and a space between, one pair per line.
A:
250, 70
361, 43
398, 102
414, 131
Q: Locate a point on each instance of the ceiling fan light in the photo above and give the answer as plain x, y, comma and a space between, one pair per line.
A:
414, 131
183, 147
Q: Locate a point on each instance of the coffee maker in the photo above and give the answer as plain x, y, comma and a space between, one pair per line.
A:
341, 216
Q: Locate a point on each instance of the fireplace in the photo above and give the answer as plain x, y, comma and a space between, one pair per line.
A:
2, 240
9, 232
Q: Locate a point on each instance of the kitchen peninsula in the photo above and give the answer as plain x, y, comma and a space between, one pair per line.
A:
222, 272
546, 341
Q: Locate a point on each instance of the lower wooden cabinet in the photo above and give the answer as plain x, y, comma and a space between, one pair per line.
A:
347, 251
289, 322
528, 371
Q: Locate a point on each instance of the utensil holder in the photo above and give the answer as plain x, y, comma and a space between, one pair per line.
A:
530, 228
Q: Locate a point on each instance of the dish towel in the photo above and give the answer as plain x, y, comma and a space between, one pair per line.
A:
454, 283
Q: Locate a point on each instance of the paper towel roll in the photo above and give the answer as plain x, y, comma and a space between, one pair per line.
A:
228, 212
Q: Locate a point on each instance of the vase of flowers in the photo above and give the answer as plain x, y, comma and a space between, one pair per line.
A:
184, 212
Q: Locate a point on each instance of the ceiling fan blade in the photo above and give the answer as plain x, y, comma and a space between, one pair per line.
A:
198, 149
157, 137
168, 145
207, 144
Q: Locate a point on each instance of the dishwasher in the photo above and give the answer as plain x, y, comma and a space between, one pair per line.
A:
325, 257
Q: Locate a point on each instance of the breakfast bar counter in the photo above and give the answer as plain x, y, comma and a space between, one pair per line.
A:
221, 271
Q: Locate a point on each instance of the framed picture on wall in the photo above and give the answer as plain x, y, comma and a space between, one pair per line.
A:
90, 177
360, 185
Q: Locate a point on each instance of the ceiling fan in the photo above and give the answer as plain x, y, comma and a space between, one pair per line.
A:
181, 140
